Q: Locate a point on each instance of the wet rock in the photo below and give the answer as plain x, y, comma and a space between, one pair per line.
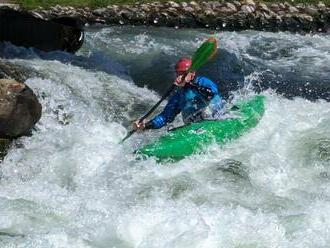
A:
24, 29
12, 71
19, 109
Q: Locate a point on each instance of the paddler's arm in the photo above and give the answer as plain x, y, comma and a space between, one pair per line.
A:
171, 110
205, 87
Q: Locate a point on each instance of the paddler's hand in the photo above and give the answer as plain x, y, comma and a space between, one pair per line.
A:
182, 81
139, 125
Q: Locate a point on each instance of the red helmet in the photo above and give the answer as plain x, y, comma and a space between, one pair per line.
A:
183, 65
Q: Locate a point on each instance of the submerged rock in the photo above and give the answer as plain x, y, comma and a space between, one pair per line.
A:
19, 109
19, 73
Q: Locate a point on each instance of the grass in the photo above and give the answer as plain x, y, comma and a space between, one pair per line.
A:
30, 4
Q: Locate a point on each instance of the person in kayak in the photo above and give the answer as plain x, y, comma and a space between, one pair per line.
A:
197, 99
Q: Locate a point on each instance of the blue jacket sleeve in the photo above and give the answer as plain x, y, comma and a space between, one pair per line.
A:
206, 87
171, 110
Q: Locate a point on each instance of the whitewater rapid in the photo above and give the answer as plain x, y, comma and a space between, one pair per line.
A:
72, 184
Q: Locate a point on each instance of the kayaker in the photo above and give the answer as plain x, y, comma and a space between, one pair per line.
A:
197, 99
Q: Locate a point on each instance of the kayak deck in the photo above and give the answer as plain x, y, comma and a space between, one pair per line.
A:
192, 138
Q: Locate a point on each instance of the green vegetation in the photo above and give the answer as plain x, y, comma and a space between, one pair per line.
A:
101, 3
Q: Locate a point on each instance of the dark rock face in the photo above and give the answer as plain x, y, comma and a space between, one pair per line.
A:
23, 29
19, 109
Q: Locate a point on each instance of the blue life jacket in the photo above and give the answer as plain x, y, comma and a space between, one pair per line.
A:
197, 101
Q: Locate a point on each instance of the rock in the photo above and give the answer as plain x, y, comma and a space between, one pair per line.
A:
193, 4
263, 7
23, 29
225, 10
281, 6
126, 14
173, 4
145, 7
293, 9
237, 4
36, 14
172, 11
287, 5
250, 2
14, 71
155, 4
209, 12
247, 9
281, 13
19, 109
306, 17
267, 17
189, 9
215, 5
222, 15
311, 11
197, 8
184, 5
231, 7
275, 7
99, 12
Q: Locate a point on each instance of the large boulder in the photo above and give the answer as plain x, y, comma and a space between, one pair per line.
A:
19, 109
23, 29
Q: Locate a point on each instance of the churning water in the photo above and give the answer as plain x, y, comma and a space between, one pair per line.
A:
72, 184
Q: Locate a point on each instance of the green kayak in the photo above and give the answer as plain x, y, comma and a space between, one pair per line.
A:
189, 139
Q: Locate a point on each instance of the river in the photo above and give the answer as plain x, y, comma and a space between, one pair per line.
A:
71, 184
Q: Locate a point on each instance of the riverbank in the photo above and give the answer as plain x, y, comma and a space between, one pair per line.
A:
31, 4
229, 16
